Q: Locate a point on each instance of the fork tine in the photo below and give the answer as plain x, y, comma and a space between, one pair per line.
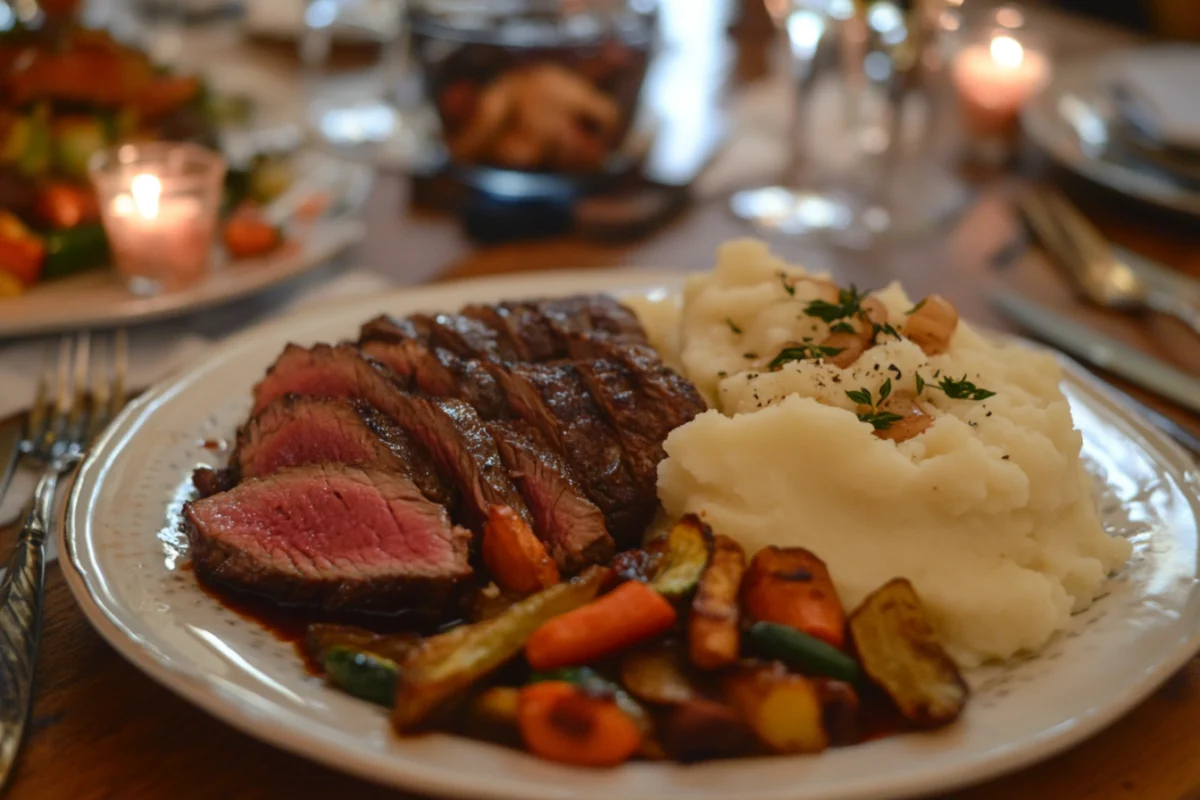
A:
116, 397
57, 422
39, 413
78, 414
101, 375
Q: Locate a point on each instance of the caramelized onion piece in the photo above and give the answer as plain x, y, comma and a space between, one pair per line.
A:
932, 325
915, 418
852, 346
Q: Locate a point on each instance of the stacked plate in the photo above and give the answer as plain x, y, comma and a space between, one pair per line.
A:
1128, 121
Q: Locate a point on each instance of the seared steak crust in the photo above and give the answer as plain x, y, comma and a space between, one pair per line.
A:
564, 518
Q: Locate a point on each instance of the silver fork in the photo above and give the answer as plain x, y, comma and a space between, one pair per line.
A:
1090, 262
81, 388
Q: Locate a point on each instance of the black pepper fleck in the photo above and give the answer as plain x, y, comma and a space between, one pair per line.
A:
837, 378
749, 355
1004, 458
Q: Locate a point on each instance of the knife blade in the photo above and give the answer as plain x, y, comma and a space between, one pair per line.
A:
1102, 351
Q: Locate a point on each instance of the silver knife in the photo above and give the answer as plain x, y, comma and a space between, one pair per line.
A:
1102, 351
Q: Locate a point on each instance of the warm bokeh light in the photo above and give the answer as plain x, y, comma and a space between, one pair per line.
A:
1007, 51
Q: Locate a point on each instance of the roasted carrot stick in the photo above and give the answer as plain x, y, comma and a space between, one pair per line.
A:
247, 235
513, 555
791, 586
561, 722
631, 613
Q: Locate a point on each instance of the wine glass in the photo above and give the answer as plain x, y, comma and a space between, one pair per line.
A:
873, 172
359, 114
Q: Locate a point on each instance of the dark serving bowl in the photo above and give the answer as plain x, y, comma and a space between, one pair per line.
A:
535, 87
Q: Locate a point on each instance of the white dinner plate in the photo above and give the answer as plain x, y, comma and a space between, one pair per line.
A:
123, 553
1074, 120
98, 298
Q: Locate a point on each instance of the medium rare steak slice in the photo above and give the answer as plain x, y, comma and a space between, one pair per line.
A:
571, 525
323, 371
298, 430
554, 400
591, 312
448, 430
385, 328
331, 536
440, 373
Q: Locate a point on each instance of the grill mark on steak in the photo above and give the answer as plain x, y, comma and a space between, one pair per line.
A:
440, 373
523, 323
298, 430
639, 426
331, 536
572, 527
554, 400
448, 430
385, 328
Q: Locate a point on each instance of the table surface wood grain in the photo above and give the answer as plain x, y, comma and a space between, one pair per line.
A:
102, 729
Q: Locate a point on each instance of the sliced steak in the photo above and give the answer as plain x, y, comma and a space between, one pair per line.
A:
463, 450
331, 536
298, 430
394, 329
461, 335
440, 373
639, 425
672, 395
323, 371
591, 312
554, 399
448, 430
523, 325
564, 518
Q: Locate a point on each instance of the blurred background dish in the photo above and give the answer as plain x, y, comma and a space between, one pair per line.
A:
1092, 118
533, 86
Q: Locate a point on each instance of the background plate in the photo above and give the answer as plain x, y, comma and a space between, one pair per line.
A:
123, 556
98, 297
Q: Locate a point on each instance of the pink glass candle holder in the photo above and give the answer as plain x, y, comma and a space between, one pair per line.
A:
995, 75
159, 203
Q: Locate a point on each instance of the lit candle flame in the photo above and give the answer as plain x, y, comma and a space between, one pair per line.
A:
1007, 51
146, 190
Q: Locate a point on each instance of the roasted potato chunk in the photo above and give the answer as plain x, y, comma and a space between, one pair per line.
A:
900, 653
713, 636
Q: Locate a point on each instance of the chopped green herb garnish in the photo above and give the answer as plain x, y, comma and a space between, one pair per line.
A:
884, 327
963, 389
733, 327
842, 327
920, 383
879, 420
787, 287
917, 307
802, 352
860, 396
849, 303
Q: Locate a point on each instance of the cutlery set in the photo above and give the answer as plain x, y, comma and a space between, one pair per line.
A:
81, 389
1103, 278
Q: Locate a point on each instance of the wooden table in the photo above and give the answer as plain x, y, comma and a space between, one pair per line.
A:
102, 729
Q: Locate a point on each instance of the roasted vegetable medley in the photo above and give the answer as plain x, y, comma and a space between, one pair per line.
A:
678, 650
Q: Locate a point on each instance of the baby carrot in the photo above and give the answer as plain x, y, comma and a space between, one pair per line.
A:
631, 613
513, 555
561, 722
791, 586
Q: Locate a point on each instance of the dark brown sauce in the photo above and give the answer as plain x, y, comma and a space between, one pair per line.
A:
290, 623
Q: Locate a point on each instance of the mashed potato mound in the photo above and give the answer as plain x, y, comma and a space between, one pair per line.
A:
988, 512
